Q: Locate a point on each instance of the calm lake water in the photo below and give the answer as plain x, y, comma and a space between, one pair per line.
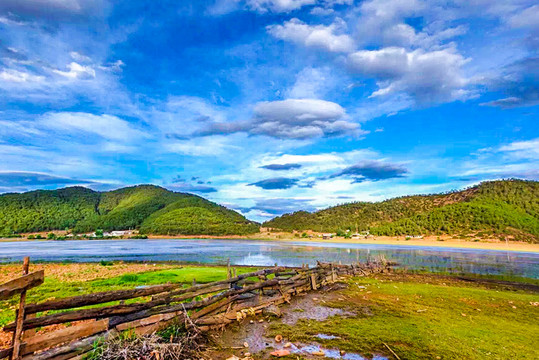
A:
263, 253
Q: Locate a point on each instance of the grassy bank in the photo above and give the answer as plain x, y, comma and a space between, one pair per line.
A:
429, 317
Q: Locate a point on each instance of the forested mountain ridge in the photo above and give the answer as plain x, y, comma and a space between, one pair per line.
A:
505, 207
146, 207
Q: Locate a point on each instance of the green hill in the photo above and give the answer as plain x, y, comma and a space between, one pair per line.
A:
508, 207
151, 209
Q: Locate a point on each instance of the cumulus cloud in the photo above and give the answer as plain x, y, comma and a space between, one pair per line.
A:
519, 81
372, 171
427, 76
279, 167
291, 119
276, 183
329, 38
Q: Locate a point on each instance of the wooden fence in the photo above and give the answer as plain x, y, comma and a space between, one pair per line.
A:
87, 318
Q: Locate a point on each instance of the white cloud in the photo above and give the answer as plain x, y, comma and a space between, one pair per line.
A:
277, 5
207, 146
77, 71
107, 126
290, 119
528, 149
426, 76
79, 57
329, 38
15, 76
527, 18
311, 83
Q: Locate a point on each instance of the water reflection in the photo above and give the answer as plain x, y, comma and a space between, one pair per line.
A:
260, 253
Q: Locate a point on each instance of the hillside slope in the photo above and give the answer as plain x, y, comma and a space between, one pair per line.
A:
151, 209
509, 207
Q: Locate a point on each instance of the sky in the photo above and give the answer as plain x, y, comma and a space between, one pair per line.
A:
269, 106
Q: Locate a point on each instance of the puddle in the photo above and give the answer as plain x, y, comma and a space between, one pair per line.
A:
327, 337
330, 353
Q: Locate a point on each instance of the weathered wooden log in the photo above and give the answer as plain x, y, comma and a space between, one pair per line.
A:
85, 314
4, 353
148, 321
23, 283
141, 313
76, 347
98, 298
57, 337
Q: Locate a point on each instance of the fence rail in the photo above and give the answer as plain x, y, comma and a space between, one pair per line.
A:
208, 306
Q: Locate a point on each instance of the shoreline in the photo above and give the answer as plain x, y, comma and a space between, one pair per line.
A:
427, 242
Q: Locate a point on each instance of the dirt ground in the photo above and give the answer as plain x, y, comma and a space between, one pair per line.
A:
255, 331
79, 272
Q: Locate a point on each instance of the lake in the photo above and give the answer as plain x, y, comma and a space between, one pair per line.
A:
265, 253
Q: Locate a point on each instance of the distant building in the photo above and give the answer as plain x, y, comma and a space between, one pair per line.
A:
327, 236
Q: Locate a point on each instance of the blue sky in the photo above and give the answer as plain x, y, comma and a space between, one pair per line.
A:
269, 106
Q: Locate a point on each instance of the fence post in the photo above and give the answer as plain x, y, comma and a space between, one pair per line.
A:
20, 315
228, 269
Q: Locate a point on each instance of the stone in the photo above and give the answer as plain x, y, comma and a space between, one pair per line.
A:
318, 353
278, 338
280, 353
288, 344
272, 310
233, 357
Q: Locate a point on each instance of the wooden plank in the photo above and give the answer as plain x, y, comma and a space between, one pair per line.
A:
98, 298
313, 281
57, 337
17, 336
17, 286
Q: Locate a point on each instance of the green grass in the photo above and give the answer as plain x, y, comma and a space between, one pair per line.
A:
421, 317
54, 289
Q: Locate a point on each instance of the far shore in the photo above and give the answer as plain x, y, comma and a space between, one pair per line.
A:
431, 241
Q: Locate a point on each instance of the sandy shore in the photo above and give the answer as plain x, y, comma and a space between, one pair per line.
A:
446, 242
464, 244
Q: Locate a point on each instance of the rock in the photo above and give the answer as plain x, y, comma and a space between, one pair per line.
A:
247, 354
342, 352
280, 353
272, 310
278, 338
233, 357
246, 344
318, 353
287, 345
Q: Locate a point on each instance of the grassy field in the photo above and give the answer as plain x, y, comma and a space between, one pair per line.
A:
429, 317
420, 316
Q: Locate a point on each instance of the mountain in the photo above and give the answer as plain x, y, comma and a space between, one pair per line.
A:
506, 207
152, 209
